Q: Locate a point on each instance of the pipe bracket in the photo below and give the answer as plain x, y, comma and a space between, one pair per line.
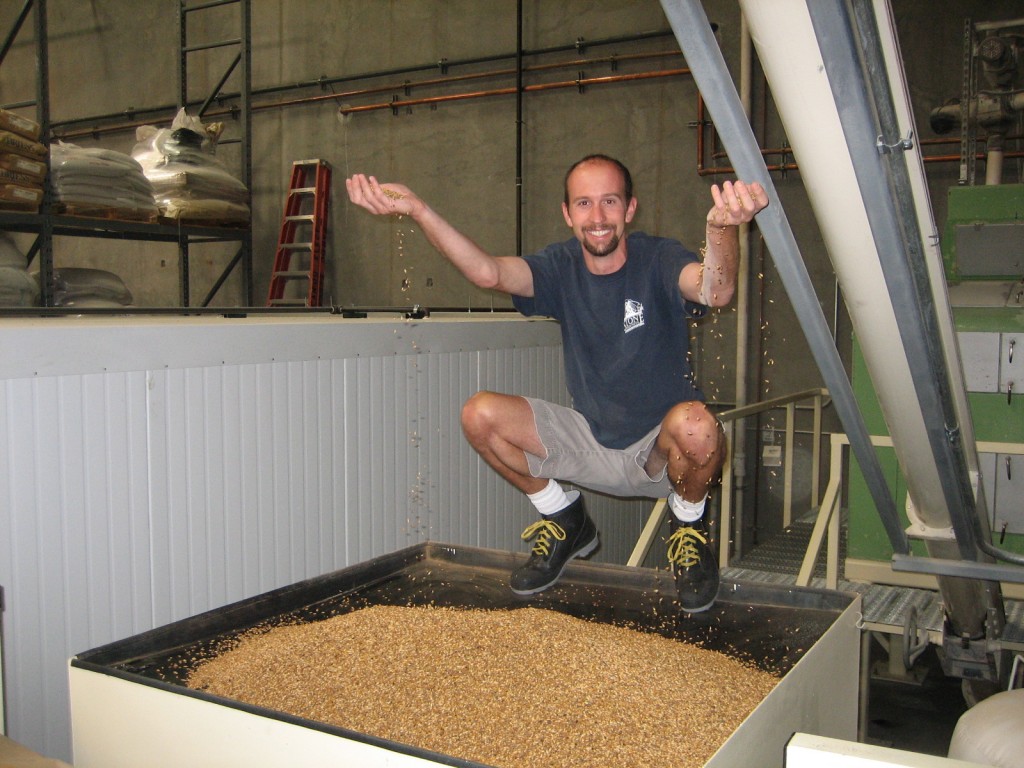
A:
902, 145
952, 434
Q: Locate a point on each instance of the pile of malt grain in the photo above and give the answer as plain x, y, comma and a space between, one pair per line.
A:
503, 688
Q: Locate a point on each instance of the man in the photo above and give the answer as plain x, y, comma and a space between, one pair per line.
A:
638, 425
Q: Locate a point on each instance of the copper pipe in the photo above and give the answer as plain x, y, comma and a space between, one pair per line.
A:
578, 83
977, 156
406, 85
725, 169
956, 140
403, 86
427, 100
764, 152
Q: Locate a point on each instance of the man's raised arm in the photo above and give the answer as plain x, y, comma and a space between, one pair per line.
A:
713, 281
508, 274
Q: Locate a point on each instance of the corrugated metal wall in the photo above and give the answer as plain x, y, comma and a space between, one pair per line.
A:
135, 497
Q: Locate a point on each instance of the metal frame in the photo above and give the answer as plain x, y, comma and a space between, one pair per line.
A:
47, 225
243, 62
728, 418
828, 520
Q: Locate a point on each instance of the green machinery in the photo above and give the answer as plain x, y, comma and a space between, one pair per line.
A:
983, 255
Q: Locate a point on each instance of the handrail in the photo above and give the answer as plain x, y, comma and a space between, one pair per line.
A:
827, 517
727, 537
768, 405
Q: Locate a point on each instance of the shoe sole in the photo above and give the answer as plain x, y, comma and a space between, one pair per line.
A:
581, 552
698, 610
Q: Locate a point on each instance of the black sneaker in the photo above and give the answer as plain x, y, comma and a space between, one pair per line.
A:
557, 539
694, 565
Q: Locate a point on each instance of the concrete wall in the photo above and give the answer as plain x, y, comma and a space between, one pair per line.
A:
461, 155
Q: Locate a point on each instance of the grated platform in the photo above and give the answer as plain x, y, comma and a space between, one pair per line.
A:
777, 561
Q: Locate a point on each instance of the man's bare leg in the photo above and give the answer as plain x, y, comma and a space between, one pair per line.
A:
502, 429
692, 446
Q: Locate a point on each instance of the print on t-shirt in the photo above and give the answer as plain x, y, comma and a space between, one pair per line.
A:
634, 315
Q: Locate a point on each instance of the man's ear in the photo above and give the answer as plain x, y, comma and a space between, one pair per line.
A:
565, 214
630, 210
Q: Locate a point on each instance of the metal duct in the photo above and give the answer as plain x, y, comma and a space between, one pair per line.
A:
704, 58
871, 209
867, 115
857, 74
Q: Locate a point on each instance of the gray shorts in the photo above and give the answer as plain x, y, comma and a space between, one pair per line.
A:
574, 456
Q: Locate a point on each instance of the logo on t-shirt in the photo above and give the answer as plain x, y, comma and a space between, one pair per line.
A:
634, 315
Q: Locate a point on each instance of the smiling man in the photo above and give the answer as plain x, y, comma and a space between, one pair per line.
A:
638, 425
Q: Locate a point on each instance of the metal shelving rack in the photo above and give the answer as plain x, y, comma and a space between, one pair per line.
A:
45, 225
241, 62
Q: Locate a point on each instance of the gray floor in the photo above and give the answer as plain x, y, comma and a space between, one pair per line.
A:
918, 718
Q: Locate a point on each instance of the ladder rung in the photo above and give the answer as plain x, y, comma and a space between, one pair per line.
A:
204, 6
301, 217
297, 246
291, 274
302, 191
288, 302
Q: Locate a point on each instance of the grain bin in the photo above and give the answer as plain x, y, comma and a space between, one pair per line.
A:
130, 705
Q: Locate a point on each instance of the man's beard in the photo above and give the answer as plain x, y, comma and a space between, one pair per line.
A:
604, 250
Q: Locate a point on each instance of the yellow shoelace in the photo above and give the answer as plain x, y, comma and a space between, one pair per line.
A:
544, 530
682, 546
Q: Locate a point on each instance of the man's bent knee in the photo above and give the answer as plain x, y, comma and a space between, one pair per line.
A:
477, 413
691, 417
487, 412
695, 431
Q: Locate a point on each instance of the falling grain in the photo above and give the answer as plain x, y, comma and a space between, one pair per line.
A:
504, 688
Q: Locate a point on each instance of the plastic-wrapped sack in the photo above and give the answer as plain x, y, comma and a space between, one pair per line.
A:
90, 181
81, 286
17, 288
10, 255
989, 733
189, 182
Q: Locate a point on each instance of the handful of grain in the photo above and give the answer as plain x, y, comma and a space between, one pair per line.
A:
504, 688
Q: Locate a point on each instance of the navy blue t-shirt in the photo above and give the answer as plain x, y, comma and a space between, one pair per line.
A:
625, 336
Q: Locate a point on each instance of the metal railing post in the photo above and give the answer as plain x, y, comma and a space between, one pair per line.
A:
787, 471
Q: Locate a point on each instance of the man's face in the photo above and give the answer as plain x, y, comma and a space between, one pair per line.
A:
598, 211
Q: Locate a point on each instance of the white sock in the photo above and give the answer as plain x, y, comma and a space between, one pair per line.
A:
686, 511
550, 499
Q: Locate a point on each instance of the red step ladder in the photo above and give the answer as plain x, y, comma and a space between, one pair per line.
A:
303, 238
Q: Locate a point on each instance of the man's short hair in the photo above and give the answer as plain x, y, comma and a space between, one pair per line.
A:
626, 176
